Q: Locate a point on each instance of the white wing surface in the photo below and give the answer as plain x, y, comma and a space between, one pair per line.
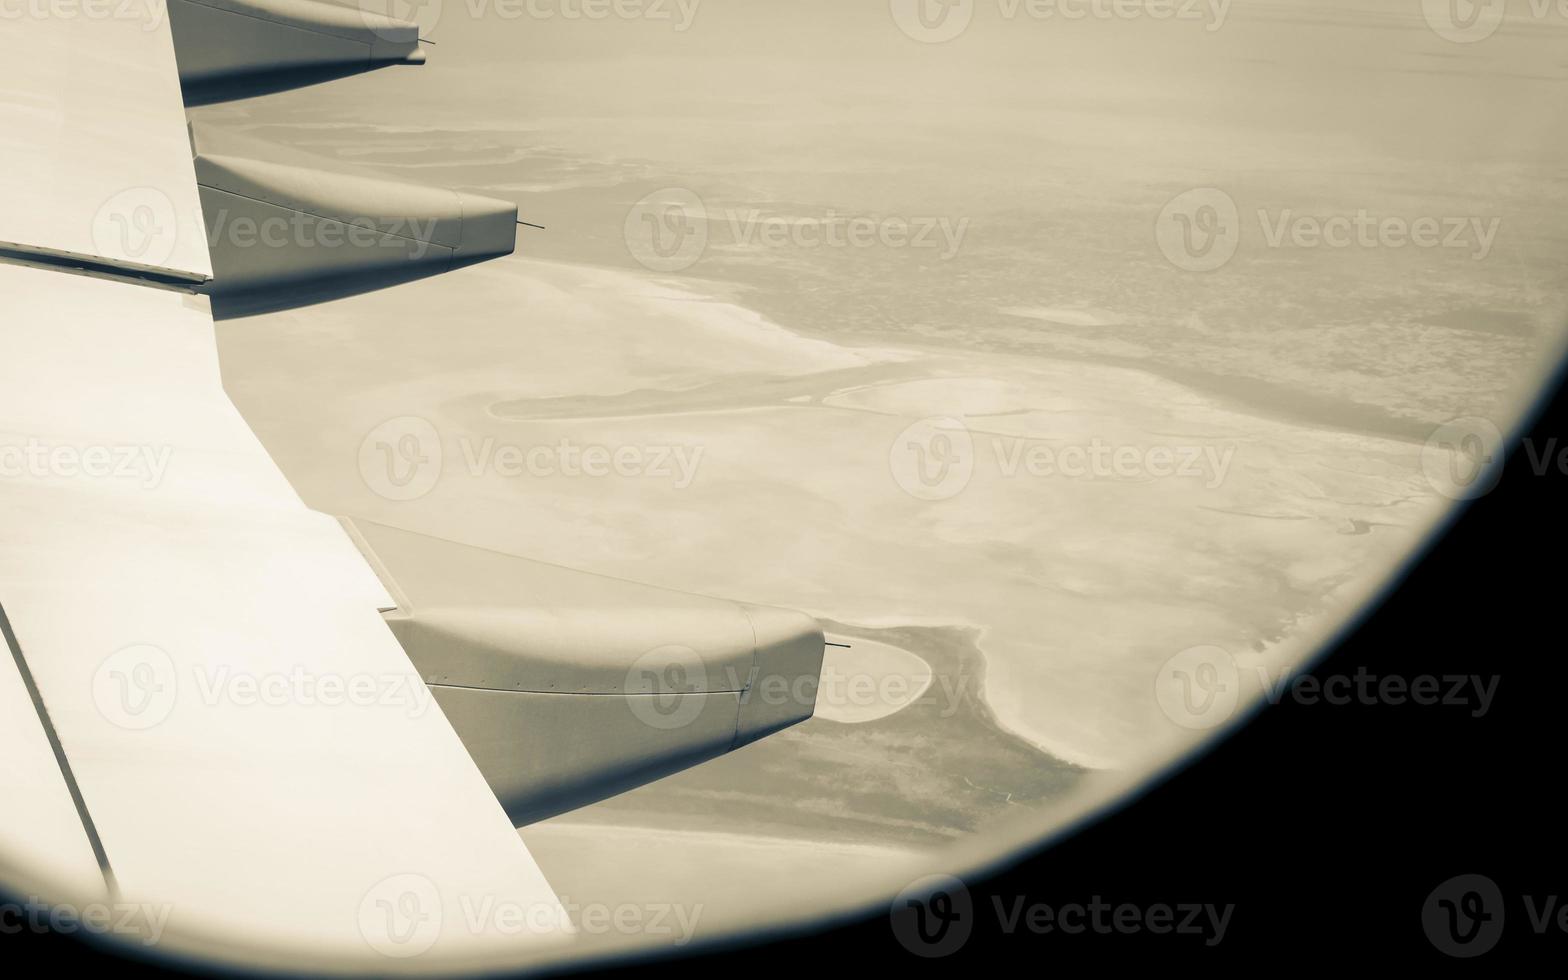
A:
93, 145
266, 772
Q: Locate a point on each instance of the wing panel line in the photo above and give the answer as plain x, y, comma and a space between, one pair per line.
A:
60, 759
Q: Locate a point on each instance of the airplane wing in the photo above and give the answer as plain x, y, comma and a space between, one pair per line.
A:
209, 717
239, 727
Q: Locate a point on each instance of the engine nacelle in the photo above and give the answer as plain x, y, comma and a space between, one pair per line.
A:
284, 234
229, 49
568, 687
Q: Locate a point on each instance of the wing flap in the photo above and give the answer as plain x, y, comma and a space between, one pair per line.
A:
92, 133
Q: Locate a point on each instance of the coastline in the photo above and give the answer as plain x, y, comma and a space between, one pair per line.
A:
1083, 587
922, 362
942, 767
1262, 397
